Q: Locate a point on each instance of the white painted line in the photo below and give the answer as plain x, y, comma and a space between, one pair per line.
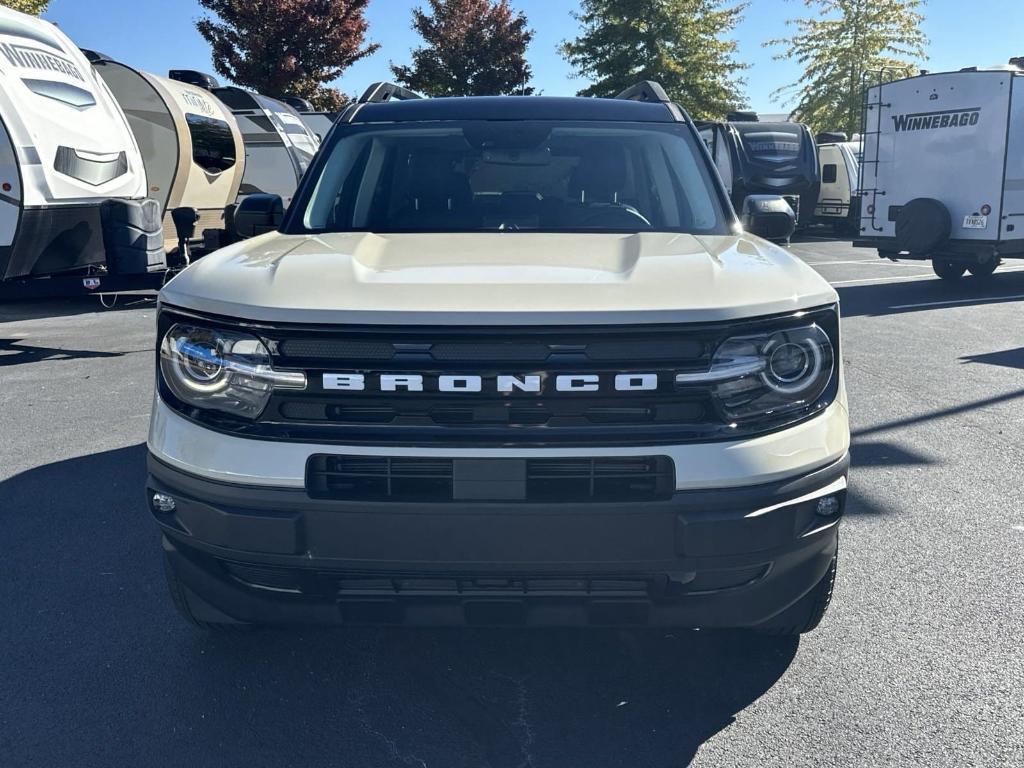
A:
885, 279
914, 277
827, 263
978, 300
879, 262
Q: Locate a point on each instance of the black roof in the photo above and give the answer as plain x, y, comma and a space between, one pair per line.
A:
514, 108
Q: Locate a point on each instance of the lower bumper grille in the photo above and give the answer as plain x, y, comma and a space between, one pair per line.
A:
387, 478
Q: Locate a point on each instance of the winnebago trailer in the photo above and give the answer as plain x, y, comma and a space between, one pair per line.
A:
942, 176
838, 202
191, 145
72, 178
755, 158
278, 145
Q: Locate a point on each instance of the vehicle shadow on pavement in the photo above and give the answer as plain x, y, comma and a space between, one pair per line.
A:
1007, 358
17, 352
99, 667
15, 311
894, 298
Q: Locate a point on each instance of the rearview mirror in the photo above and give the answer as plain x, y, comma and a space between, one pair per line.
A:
257, 214
768, 216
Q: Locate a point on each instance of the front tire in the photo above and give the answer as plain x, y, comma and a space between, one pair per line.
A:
179, 596
806, 614
948, 270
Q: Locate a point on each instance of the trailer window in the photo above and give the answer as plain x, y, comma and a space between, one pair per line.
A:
829, 173
213, 146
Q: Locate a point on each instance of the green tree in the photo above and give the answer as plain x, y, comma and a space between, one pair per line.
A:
841, 44
682, 44
473, 48
287, 47
35, 7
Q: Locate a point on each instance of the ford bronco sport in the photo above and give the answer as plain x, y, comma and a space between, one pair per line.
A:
504, 360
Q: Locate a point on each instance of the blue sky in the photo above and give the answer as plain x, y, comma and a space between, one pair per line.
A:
157, 35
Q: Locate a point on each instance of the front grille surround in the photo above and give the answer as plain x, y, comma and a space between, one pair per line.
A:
489, 419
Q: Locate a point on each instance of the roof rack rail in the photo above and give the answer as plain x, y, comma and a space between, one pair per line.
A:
646, 90
380, 92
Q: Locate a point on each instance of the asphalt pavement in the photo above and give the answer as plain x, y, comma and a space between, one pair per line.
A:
918, 662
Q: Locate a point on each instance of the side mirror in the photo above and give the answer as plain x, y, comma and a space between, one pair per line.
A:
257, 214
768, 216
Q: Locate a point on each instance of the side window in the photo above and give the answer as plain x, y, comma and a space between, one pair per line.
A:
828, 173
213, 146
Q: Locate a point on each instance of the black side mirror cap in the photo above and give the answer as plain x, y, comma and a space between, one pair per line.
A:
768, 216
257, 214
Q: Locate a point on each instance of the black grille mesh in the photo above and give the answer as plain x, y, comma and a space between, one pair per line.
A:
428, 479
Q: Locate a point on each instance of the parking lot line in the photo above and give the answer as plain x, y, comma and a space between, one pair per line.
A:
977, 300
922, 276
881, 262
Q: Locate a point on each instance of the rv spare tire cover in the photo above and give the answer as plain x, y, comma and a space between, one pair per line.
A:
922, 226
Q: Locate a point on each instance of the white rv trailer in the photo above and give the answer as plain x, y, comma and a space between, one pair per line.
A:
838, 204
190, 142
278, 145
942, 173
65, 152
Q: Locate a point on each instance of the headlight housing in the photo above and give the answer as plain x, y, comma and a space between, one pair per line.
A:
221, 370
768, 375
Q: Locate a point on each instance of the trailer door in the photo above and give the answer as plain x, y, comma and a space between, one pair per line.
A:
10, 190
1012, 221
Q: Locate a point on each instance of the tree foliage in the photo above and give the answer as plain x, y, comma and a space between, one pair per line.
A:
473, 48
287, 47
682, 44
35, 7
844, 42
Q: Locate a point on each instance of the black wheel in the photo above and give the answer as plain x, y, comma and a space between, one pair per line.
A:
948, 270
179, 596
983, 270
806, 614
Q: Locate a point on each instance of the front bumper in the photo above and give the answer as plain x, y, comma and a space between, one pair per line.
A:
714, 557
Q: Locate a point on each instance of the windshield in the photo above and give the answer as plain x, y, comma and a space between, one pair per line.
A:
517, 175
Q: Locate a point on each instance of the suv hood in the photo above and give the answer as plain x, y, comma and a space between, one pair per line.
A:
498, 279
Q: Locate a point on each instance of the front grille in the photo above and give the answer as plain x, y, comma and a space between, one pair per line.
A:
427, 479
438, 411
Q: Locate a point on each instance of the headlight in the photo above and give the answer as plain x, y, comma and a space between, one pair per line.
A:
766, 375
221, 370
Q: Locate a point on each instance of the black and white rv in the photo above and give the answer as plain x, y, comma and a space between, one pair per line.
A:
191, 145
942, 177
755, 158
318, 121
278, 144
72, 180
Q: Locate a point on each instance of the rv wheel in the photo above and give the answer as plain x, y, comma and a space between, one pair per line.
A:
983, 270
948, 270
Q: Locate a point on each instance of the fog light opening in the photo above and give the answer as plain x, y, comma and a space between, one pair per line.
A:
827, 506
164, 503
